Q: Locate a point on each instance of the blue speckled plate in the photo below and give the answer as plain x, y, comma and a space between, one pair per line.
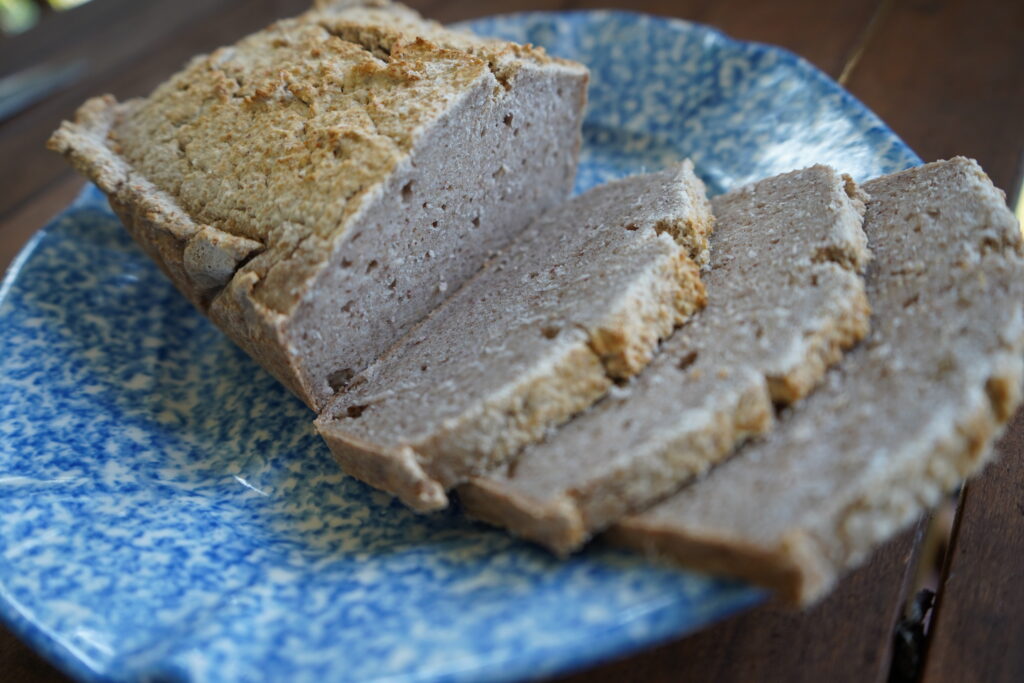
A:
167, 512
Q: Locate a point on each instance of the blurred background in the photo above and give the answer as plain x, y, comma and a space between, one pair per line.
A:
18, 16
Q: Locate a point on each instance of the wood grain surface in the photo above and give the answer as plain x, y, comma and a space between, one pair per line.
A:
979, 629
774, 642
947, 76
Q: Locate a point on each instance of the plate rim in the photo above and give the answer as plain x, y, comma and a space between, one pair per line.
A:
52, 647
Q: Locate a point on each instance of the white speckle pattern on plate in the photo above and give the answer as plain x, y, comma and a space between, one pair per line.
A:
167, 511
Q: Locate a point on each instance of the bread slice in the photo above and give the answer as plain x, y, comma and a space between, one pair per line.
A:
905, 417
581, 298
320, 186
784, 299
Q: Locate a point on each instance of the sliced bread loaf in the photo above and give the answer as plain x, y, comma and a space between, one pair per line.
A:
783, 300
579, 299
320, 186
905, 417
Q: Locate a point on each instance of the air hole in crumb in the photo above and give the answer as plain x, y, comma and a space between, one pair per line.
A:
515, 132
345, 263
559, 91
444, 207
632, 226
508, 119
476, 221
356, 236
347, 308
407, 191
434, 224
393, 284
339, 379
371, 266
423, 368
910, 302
550, 331
500, 172
688, 360
355, 411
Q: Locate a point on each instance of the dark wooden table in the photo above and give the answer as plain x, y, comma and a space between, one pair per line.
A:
947, 76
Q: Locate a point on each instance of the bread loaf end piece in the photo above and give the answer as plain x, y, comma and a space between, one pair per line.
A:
321, 185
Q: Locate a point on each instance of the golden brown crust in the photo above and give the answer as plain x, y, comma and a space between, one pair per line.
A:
417, 473
805, 564
896, 500
796, 570
388, 470
548, 397
251, 138
165, 232
825, 349
783, 303
221, 174
628, 342
151, 215
581, 298
905, 418
557, 524
502, 57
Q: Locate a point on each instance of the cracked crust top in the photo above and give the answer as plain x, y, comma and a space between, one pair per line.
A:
237, 151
